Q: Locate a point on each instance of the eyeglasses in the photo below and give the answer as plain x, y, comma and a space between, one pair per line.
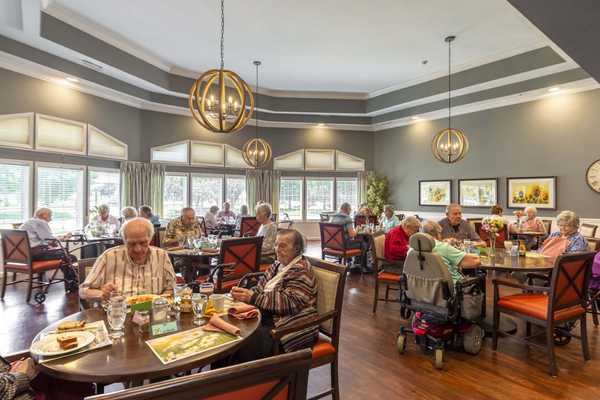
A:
280, 246
565, 226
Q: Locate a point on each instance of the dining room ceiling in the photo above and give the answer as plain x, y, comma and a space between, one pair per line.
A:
343, 46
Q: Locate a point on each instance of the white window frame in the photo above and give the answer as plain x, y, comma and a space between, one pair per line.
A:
289, 154
32, 185
189, 155
337, 168
91, 127
225, 158
232, 176
30, 115
86, 194
221, 145
186, 199
305, 194
338, 179
88, 183
302, 197
204, 175
64, 121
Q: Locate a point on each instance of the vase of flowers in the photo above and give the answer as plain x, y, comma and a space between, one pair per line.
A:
492, 227
520, 215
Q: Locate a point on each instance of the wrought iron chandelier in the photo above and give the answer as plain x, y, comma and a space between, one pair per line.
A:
230, 114
257, 152
449, 145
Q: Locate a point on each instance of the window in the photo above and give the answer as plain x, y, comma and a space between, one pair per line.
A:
16, 130
290, 198
235, 191
207, 191
291, 161
60, 135
347, 162
175, 194
174, 153
104, 188
234, 159
14, 195
60, 188
101, 144
319, 197
319, 160
208, 154
347, 192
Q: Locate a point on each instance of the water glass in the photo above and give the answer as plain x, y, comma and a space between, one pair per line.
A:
116, 297
199, 303
181, 240
190, 242
212, 241
177, 292
116, 318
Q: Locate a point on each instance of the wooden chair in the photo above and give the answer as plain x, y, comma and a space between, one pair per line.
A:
202, 225
333, 244
16, 225
401, 216
588, 230
84, 267
248, 225
160, 233
331, 281
281, 377
502, 236
245, 253
472, 222
273, 217
381, 277
566, 302
325, 216
362, 220
593, 243
17, 258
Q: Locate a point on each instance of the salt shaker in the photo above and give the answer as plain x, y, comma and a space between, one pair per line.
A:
160, 308
144, 322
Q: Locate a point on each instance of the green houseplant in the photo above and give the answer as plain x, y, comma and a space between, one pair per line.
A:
377, 193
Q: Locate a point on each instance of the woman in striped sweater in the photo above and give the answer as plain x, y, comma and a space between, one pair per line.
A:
285, 295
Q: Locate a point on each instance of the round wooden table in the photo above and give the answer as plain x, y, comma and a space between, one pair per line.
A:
130, 358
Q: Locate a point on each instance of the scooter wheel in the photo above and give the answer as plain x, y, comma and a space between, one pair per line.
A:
472, 339
401, 343
560, 339
439, 358
40, 297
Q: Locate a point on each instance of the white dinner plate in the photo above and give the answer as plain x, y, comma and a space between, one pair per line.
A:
50, 347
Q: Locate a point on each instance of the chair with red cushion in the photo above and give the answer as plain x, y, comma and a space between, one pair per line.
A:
18, 260
333, 244
362, 220
382, 278
248, 227
202, 225
331, 281
486, 238
284, 377
245, 253
566, 302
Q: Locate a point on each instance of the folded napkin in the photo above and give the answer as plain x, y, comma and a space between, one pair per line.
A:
175, 248
216, 324
210, 310
243, 312
555, 246
207, 250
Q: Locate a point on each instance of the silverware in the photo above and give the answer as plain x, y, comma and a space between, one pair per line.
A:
101, 332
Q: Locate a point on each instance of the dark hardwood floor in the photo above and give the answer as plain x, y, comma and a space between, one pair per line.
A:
370, 366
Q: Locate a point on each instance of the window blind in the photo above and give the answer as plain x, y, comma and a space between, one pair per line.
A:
207, 154
103, 145
175, 195
233, 158
346, 162
104, 189
14, 194
15, 131
61, 190
60, 136
290, 161
175, 153
321, 160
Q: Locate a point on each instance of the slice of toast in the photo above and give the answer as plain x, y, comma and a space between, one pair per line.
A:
67, 342
70, 326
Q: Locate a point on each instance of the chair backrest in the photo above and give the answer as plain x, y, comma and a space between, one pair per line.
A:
428, 280
547, 225
588, 230
486, 238
16, 225
331, 282
84, 267
285, 225
244, 252
249, 224
161, 235
15, 246
378, 249
282, 377
570, 281
332, 236
273, 217
362, 220
202, 225
593, 243
472, 222
325, 216
401, 216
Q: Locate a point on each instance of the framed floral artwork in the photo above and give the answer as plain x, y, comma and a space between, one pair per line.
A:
435, 193
538, 192
478, 192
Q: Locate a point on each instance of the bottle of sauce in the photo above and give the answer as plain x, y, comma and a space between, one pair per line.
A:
522, 248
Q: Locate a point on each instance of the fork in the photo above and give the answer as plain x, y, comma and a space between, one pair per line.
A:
101, 332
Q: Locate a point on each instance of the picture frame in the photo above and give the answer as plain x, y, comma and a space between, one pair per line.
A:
435, 193
478, 192
539, 192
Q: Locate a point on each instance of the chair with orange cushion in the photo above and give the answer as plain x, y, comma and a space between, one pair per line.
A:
17, 259
333, 244
362, 220
486, 238
565, 302
284, 377
244, 253
331, 281
248, 227
382, 278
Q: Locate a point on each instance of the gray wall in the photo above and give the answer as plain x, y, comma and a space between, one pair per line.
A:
557, 136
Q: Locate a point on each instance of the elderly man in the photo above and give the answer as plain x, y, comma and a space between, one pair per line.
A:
455, 260
455, 228
343, 217
396, 243
225, 212
132, 269
146, 212
185, 225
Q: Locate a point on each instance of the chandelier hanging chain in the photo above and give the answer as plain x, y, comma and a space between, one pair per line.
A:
449, 83
222, 34
257, 63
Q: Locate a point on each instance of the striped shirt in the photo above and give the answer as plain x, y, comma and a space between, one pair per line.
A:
115, 266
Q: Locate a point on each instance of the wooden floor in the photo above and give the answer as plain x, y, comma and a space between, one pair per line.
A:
370, 366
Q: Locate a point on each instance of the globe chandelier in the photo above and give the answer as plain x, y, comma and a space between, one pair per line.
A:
257, 152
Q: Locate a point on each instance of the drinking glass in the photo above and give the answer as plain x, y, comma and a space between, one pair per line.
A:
177, 292
207, 288
212, 241
116, 297
199, 303
181, 240
116, 318
190, 242
507, 244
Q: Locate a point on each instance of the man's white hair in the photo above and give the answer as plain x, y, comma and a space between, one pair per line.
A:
449, 207
143, 222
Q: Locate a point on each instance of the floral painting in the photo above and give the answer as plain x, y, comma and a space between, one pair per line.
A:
478, 193
538, 192
435, 193
188, 343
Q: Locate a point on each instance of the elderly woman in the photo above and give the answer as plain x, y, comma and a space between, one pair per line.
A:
210, 220
104, 217
286, 294
389, 219
568, 223
238, 218
497, 212
146, 212
128, 213
396, 243
268, 230
531, 223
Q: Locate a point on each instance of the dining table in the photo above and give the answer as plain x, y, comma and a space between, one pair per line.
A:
201, 255
129, 358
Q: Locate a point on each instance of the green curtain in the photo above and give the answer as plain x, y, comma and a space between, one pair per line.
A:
142, 184
275, 189
262, 185
251, 191
363, 178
